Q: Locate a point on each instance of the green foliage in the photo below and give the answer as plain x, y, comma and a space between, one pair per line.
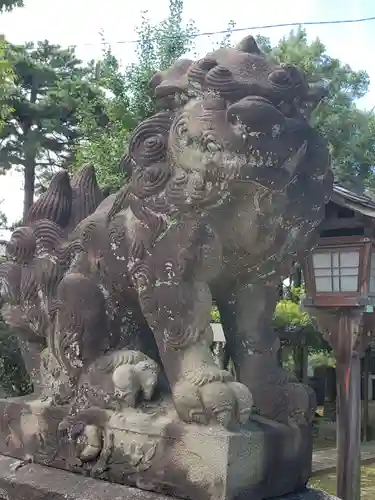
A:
350, 131
159, 46
288, 313
6, 79
322, 358
128, 97
6, 76
103, 147
215, 315
14, 380
8, 5
295, 326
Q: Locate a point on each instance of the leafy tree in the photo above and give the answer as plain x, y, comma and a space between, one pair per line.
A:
128, 93
6, 76
158, 47
103, 147
49, 90
5, 68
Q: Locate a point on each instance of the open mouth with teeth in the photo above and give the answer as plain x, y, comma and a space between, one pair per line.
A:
275, 145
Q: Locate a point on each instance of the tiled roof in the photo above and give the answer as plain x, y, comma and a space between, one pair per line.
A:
357, 202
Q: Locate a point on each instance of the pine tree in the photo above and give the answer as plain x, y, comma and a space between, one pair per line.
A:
50, 91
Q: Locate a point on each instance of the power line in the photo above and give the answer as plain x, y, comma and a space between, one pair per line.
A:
248, 28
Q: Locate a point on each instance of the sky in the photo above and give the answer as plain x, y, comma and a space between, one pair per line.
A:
79, 23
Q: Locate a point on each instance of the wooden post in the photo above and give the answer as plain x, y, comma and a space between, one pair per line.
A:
343, 330
366, 374
348, 428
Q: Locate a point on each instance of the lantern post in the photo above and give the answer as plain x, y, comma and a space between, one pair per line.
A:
340, 293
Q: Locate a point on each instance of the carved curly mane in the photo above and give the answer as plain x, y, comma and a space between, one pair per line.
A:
158, 184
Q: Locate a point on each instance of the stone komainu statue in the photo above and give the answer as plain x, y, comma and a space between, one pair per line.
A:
228, 184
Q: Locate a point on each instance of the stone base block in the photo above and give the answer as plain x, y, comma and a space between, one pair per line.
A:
35, 482
153, 450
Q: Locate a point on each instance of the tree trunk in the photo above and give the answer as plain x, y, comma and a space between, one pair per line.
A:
29, 168
349, 428
29, 186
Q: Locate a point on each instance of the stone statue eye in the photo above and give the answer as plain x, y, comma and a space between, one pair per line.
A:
281, 78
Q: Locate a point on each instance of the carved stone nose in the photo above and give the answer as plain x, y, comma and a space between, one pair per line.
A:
256, 113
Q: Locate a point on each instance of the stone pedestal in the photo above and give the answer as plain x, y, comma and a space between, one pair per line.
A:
35, 482
153, 450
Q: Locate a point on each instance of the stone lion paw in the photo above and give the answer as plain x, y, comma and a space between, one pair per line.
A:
224, 401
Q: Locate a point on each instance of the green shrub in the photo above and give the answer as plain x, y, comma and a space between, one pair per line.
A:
14, 379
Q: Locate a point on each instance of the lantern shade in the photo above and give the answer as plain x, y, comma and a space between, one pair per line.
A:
336, 271
340, 272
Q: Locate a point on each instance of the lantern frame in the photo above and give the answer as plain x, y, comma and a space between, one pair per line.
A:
331, 299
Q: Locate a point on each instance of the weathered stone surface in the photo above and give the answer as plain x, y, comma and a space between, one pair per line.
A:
228, 184
309, 494
154, 450
34, 482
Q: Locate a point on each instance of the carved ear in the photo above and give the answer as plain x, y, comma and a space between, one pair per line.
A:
86, 195
55, 204
172, 81
248, 45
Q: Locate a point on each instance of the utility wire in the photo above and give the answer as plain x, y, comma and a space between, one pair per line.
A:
248, 28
